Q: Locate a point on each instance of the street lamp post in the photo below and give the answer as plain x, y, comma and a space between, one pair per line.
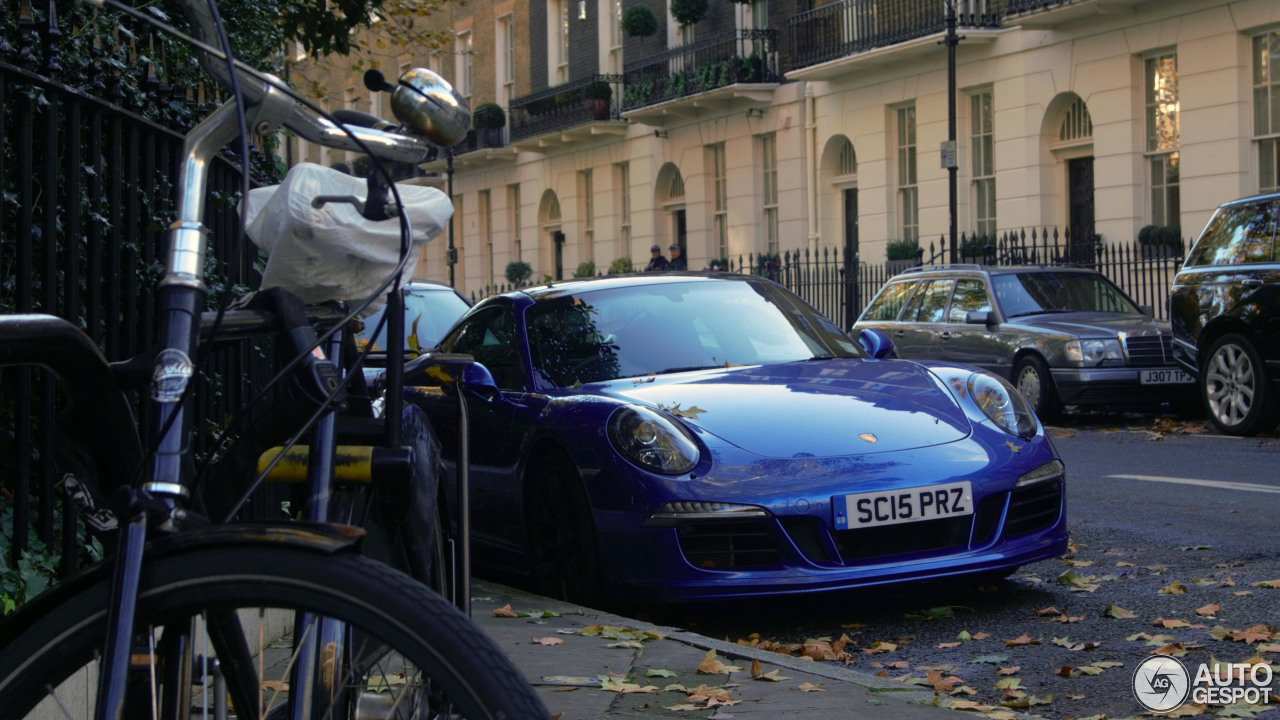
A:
949, 157
451, 256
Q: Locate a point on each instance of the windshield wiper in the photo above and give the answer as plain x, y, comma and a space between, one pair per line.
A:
688, 368
1043, 312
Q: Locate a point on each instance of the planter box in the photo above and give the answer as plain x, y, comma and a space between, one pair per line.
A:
893, 267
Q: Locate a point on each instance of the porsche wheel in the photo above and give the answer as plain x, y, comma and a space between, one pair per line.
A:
566, 560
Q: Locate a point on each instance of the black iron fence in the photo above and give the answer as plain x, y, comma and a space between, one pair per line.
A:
716, 61
843, 28
88, 192
839, 285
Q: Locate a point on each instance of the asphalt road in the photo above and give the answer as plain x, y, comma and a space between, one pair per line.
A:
1167, 519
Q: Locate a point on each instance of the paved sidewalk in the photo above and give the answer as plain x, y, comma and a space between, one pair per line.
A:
566, 668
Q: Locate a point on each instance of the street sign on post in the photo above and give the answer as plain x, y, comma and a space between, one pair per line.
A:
948, 151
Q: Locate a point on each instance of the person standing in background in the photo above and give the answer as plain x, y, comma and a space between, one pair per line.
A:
657, 263
677, 261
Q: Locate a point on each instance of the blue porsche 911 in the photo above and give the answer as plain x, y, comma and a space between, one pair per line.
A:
668, 438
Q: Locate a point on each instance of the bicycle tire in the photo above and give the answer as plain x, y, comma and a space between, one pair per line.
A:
49, 641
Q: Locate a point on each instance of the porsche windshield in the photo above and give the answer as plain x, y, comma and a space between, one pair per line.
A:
673, 327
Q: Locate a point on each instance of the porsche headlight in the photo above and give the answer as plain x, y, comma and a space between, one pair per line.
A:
1004, 405
652, 441
1093, 352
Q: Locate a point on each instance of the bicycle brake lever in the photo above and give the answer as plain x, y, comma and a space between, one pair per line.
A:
320, 201
389, 208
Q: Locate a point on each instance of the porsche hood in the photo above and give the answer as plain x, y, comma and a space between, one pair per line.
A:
817, 408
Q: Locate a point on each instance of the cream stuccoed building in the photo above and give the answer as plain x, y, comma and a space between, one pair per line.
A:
739, 128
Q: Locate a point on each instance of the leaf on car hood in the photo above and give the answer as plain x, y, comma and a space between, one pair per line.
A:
692, 412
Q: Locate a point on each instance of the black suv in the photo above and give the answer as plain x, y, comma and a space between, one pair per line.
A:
1225, 309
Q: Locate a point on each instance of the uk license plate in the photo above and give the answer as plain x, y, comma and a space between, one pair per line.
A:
1164, 376
902, 505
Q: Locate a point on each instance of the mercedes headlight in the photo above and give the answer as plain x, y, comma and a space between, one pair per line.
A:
652, 441
1093, 352
1004, 405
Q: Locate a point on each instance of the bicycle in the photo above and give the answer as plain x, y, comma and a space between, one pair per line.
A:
191, 612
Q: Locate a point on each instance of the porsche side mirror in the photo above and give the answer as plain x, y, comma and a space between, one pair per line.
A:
876, 343
445, 369
478, 381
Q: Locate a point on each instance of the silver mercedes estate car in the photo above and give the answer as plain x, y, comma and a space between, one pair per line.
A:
1064, 336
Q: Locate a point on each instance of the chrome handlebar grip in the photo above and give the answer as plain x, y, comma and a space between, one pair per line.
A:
389, 145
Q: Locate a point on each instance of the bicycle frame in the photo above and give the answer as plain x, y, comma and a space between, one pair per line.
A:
160, 501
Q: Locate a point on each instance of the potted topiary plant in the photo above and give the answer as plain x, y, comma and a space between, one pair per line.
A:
638, 21
518, 272
488, 118
901, 255
1160, 241
688, 12
977, 248
585, 269
597, 95
488, 115
621, 266
768, 265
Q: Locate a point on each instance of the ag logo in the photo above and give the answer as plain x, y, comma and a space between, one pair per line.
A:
1161, 683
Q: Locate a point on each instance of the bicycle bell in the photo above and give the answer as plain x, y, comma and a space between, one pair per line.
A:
427, 103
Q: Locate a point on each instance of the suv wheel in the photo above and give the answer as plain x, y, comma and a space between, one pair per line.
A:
1032, 378
1236, 389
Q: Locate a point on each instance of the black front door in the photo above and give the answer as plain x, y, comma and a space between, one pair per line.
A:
557, 239
853, 304
1080, 179
678, 218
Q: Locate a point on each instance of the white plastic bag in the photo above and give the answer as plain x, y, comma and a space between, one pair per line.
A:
331, 252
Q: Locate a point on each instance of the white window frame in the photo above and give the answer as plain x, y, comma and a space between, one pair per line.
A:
1162, 150
484, 210
558, 41
462, 64
587, 205
769, 196
907, 188
983, 162
720, 207
1266, 109
623, 175
504, 60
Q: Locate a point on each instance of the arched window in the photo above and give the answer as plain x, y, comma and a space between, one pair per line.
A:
847, 161
1076, 123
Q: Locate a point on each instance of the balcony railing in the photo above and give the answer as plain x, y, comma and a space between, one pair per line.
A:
850, 27
1017, 7
565, 106
730, 58
482, 139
